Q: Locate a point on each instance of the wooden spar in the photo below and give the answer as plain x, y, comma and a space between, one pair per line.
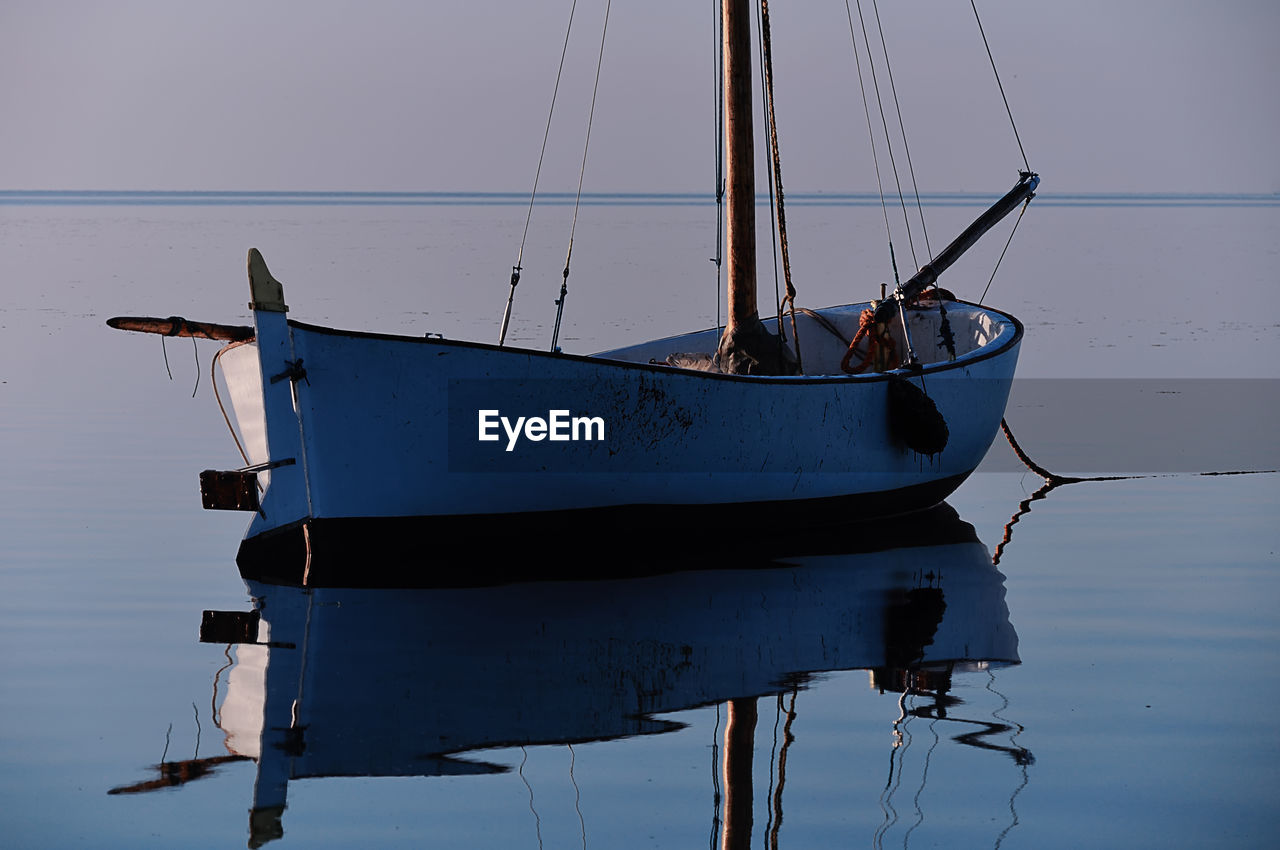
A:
740, 166
178, 326
1024, 190
174, 773
745, 348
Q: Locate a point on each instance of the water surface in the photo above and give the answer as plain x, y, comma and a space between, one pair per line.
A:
1141, 612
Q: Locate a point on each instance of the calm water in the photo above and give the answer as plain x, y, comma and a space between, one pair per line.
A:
1108, 683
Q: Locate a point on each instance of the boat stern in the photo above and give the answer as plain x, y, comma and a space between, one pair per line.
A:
261, 378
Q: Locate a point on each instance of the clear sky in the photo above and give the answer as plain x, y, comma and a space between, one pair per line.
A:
1110, 95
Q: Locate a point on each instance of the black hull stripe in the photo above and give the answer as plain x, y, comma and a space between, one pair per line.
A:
596, 543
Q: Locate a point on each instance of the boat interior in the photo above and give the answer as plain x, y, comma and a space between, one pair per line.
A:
825, 336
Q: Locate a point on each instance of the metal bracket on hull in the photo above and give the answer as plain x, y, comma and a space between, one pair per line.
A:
296, 372
262, 467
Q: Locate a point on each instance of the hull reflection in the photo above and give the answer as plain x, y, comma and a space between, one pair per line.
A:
365, 682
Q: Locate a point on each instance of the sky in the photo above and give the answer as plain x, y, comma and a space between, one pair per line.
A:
1109, 95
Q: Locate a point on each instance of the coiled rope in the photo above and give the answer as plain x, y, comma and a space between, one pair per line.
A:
881, 348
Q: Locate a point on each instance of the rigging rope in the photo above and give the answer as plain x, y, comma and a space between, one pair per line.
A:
1000, 259
774, 795
866, 109
537, 818
776, 182
715, 782
893, 164
516, 269
945, 333
577, 796
577, 202
718, 89
1017, 137
1000, 85
897, 106
773, 204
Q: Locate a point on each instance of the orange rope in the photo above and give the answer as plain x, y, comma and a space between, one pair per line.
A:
881, 348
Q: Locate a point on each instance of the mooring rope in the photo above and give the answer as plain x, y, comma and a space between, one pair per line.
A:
1051, 482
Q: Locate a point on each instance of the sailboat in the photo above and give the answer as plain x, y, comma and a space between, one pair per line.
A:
359, 441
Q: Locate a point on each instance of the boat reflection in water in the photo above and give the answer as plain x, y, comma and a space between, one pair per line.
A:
348, 682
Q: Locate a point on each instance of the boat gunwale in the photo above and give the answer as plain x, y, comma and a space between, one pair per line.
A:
976, 356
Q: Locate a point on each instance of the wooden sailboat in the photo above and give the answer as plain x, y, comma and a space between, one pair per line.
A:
358, 441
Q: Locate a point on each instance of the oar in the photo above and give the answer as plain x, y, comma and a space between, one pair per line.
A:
178, 326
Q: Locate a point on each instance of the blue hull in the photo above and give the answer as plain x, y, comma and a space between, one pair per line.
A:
372, 440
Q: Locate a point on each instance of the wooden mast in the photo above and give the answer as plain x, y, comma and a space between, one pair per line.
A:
745, 347
740, 162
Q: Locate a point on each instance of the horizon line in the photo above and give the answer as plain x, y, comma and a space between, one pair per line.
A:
204, 197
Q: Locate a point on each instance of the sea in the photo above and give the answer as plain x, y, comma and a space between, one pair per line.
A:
1092, 664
